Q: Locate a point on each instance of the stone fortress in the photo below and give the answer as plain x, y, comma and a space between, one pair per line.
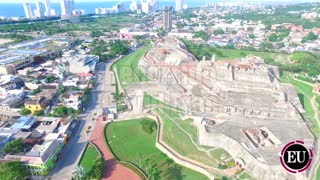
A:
244, 108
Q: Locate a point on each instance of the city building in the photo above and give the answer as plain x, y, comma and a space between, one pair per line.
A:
24, 123
179, 5
41, 158
8, 106
67, 6
72, 99
36, 105
48, 124
82, 63
167, 18
134, 6
10, 63
78, 12
117, 8
27, 10
39, 11
148, 6
47, 5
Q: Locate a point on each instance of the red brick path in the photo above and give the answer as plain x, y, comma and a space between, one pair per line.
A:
112, 171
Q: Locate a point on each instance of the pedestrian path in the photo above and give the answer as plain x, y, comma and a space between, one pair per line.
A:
113, 170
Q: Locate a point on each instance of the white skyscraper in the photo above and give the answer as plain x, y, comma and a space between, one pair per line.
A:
148, 6
179, 5
27, 10
67, 6
39, 12
47, 5
134, 5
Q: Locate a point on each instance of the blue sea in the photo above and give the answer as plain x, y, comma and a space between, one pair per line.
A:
16, 9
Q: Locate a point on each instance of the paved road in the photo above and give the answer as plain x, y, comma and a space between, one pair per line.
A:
72, 151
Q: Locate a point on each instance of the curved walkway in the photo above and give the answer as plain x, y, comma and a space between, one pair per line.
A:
112, 170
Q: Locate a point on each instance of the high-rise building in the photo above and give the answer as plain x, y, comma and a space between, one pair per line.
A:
67, 6
27, 10
148, 6
47, 6
134, 5
167, 18
179, 5
39, 12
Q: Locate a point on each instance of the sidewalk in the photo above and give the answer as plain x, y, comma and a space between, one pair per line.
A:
112, 170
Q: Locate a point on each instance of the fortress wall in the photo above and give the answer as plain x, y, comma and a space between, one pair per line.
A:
253, 166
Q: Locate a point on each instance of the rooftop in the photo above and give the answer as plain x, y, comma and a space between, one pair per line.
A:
24, 122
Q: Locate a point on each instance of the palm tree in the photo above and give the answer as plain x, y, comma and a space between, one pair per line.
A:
145, 164
153, 174
79, 173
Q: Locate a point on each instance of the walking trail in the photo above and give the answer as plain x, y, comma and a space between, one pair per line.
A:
113, 170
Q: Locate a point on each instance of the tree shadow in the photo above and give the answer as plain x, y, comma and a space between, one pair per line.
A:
109, 167
301, 98
174, 172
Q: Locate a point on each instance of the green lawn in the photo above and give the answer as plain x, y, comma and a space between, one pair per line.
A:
318, 173
130, 143
183, 144
305, 94
88, 159
245, 176
238, 53
127, 69
149, 100
220, 154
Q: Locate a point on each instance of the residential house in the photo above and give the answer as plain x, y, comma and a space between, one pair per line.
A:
41, 158
73, 99
36, 105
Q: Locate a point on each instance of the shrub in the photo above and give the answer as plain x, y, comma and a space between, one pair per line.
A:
148, 125
39, 113
14, 146
97, 169
35, 91
24, 111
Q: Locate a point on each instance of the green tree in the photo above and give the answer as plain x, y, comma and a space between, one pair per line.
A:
252, 36
60, 111
74, 88
14, 146
280, 45
310, 37
96, 33
97, 169
35, 91
39, 113
273, 37
50, 79
201, 34
61, 90
118, 48
24, 112
13, 170
218, 31
148, 125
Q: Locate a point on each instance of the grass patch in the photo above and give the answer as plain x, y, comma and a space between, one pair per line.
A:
89, 157
238, 53
139, 149
127, 67
245, 176
220, 154
318, 173
183, 145
305, 95
149, 100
